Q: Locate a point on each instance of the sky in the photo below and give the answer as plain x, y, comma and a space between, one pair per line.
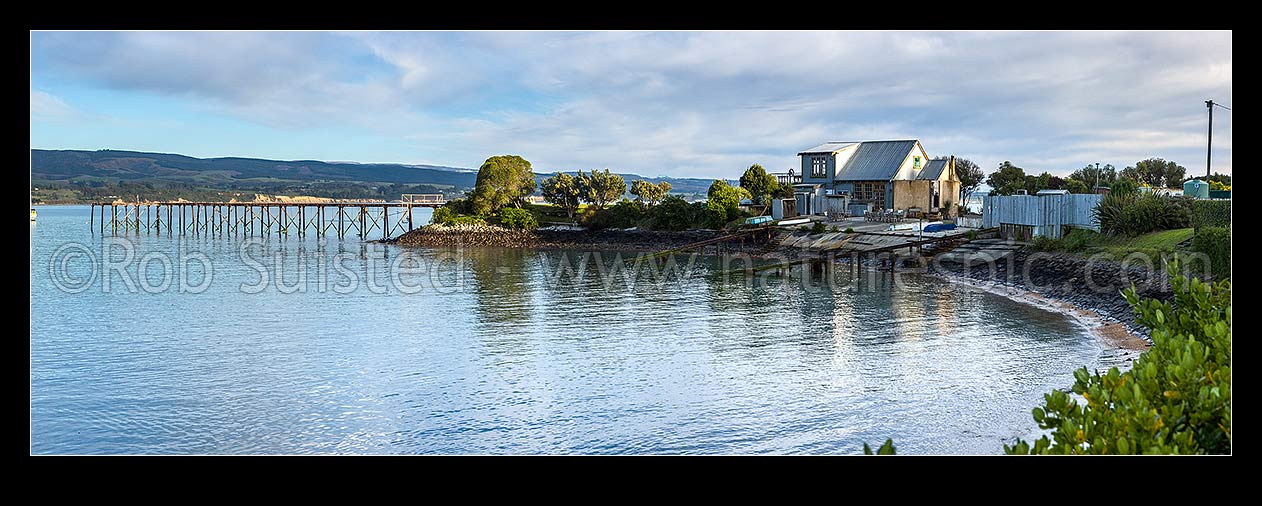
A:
684, 104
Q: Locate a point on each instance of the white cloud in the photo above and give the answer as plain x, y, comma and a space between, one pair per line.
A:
48, 108
705, 103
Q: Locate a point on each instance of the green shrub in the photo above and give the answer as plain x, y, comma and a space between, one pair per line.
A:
1132, 214
1124, 186
469, 220
675, 213
460, 206
1211, 213
818, 228
971, 235
1044, 243
623, 214
443, 215
512, 217
849, 230
1175, 399
450, 214
1078, 239
1215, 243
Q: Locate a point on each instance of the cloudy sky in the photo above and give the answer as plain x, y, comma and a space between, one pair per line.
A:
703, 104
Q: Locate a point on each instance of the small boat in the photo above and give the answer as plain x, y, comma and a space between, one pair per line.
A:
757, 220
32, 214
795, 221
931, 226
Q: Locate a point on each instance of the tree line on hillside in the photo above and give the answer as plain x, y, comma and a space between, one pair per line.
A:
1008, 178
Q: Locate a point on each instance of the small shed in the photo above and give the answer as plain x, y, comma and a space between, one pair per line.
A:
783, 208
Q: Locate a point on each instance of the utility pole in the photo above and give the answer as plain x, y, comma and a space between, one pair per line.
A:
1097, 177
1209, 145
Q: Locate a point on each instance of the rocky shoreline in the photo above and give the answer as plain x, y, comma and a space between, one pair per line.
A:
1087, 289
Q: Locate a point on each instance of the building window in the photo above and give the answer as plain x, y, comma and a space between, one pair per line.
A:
819, 166
916, 162
870, 191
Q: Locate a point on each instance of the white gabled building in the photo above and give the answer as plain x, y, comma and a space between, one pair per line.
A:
895, 174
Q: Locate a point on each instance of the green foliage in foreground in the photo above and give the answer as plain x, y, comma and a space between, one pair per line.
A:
1211, 213
885, 449
1215, 243
1177, 397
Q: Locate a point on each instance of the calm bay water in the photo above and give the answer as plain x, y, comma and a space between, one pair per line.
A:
501, 355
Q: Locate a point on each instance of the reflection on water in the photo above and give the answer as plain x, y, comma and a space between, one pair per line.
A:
522, 359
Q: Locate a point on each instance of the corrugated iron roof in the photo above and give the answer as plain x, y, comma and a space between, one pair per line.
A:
933, 169
876, 160
827, 147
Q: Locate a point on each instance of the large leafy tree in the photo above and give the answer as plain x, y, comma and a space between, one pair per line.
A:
971, 177
601, 188
1088, 175
724, 203
1156, 172
759, 183
649, 194
1007, 179
1044, 181
562, 190
502, 181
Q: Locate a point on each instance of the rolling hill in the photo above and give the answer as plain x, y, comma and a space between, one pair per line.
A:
113, 166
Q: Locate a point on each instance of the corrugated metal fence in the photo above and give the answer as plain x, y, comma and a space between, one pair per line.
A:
1025, 216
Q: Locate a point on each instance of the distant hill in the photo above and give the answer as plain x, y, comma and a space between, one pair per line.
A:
114, 166
111, 165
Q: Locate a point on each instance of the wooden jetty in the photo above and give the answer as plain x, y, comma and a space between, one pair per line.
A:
362, 219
